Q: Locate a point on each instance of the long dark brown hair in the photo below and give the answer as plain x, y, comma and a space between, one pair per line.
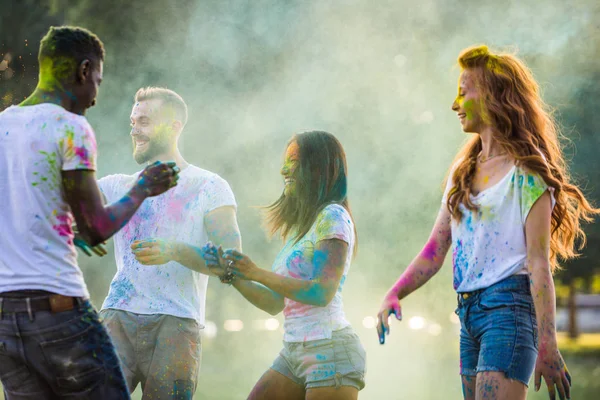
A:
322, 179
525, 128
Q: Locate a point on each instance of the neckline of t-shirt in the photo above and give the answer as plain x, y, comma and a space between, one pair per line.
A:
183, 173
20, 107
497, 184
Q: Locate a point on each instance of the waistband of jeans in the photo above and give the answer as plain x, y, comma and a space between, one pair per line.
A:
514, 283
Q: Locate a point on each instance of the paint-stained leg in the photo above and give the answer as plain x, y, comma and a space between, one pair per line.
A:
275, 386
493, 385
468, 386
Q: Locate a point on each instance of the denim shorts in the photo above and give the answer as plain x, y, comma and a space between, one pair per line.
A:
499, 330
339, 361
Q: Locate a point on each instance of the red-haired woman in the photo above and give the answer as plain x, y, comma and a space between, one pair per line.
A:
322, 357
508, 211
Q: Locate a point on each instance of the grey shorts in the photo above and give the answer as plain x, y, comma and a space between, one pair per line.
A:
160, 352
339, 361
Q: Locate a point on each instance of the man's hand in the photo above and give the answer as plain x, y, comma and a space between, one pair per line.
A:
153, 251
88, 250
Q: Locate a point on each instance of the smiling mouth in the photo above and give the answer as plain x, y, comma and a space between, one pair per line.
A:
141, 143
287, 181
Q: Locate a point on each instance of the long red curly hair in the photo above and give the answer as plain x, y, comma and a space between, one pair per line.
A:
525, 128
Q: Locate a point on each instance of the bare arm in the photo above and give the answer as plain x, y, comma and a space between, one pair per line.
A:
222, 228
427, 263
260, 295
267, 290
550, 364
329, 260
97, 223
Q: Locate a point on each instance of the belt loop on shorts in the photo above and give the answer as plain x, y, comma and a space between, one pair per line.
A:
338, 380
29, 310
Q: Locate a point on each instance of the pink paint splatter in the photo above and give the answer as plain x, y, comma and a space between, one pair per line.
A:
430, 250
63, 228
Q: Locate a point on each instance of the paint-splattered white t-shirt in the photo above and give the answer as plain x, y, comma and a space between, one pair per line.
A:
488, 245
36, 239
305, 322
176, 215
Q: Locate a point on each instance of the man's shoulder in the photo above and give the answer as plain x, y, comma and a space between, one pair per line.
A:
202, 176
117, 180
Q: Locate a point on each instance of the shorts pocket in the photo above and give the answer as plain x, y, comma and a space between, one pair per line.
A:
77, 361
356, 354
316, 344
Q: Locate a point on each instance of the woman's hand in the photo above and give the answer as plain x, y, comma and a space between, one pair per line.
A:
241, 265
551, 366
213, 258
389, 306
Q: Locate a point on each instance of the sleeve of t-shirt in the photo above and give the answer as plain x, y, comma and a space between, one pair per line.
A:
334, 222
217, 193
77, 145
532, 187
107, 187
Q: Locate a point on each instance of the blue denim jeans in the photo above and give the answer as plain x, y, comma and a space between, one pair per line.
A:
499, 330
63, 355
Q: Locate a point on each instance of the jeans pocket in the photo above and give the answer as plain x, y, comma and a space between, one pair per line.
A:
77, 360
496, 300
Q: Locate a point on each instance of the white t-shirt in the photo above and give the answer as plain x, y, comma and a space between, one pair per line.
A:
176, 215
305, 322
488, 245
36, 244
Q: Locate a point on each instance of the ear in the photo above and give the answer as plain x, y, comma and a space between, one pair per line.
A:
84, 70
177, 126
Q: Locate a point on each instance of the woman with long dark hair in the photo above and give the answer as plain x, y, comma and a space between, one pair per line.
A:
322, 357
508, 211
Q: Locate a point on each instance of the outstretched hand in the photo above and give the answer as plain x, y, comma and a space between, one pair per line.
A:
389, 306
153, 251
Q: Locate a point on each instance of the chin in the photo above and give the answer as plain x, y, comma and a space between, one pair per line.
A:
139, 158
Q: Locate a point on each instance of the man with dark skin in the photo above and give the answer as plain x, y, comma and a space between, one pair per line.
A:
52, 344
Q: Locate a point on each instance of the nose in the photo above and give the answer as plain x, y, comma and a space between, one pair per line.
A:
284, 170
455, 106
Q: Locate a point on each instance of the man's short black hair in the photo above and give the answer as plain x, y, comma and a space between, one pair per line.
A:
71, 42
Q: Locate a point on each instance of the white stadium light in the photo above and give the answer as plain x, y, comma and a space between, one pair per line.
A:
271, 324
416, 323
233, 325
210, 330
369, 322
